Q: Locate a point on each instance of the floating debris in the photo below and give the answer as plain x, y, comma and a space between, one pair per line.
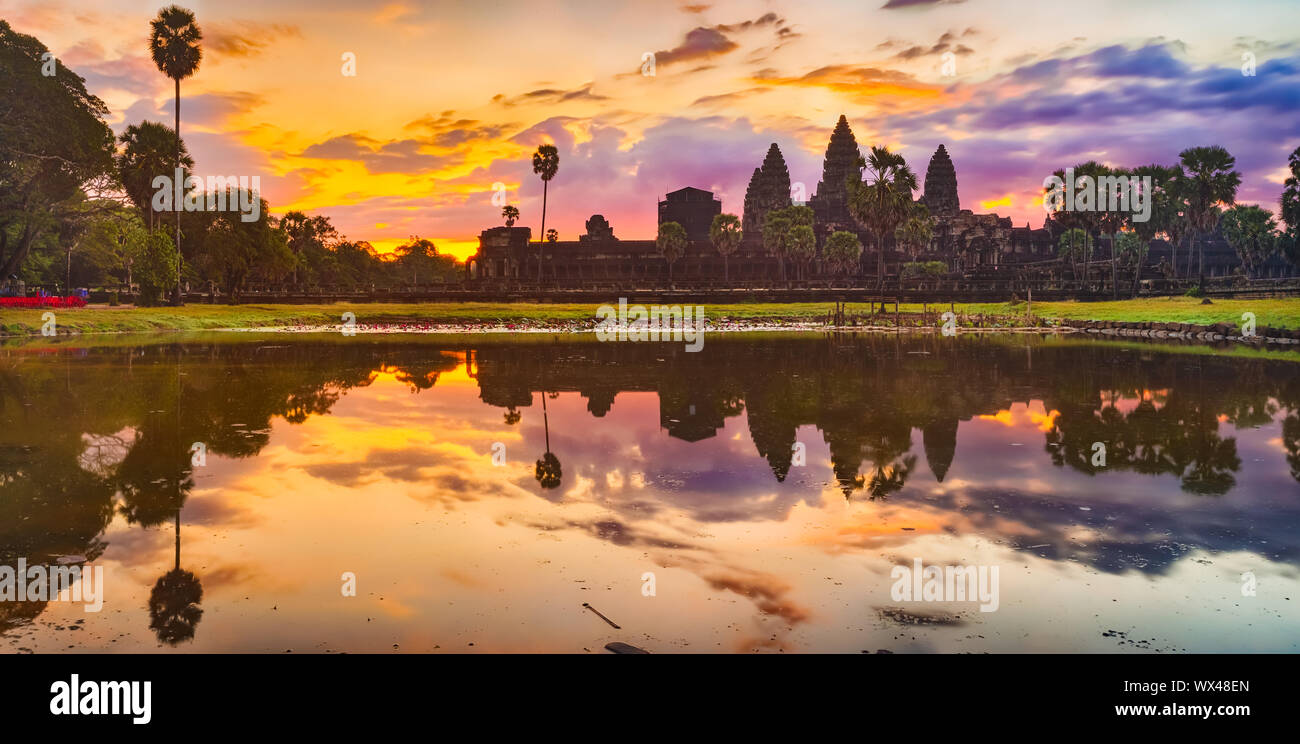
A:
602, 617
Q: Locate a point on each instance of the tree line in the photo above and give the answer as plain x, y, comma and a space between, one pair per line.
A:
79, 206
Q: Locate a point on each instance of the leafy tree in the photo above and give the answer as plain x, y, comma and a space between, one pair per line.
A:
546, 163
802, 245
111, 245
927, 268
310, 240
842, 251
420, 256
671, 244
1251, 232
1131, 250
915, 234
234, 250
54, 147
156, 267
725, 235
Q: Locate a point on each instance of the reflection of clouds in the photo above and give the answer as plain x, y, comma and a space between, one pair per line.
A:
767, 592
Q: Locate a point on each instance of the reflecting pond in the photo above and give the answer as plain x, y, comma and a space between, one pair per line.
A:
305, 493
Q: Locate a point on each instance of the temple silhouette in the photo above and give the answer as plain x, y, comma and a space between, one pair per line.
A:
968, 243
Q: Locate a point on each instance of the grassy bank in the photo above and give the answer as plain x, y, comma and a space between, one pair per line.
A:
1283, 313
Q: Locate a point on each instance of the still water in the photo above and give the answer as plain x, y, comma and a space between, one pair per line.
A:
754, 496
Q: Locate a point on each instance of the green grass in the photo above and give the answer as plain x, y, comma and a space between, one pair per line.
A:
1284, 313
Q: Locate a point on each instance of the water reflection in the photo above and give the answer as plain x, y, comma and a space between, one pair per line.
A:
325, 455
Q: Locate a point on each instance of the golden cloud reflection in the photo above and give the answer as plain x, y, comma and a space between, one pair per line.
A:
417, 470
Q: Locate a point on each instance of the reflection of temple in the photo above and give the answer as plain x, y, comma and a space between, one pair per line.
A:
864, 397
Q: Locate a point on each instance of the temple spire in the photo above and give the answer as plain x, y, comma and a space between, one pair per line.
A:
769, 189
830, 203
941, 184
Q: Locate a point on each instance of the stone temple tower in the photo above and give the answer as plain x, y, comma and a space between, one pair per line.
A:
769, 189
941, 185
831, 202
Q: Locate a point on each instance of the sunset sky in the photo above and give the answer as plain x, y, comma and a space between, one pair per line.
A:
452, 97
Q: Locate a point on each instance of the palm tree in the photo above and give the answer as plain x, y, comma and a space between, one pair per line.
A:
1290, 202
546, 162
510, 213
1131, 248
725, 235
776, 235
1165, 209
147, 154
883, 200
174, 46
915, 234
1210, 180
1086, 220
1110, 219
802, 246
842, 251
552, 235
671, 244
1075, 244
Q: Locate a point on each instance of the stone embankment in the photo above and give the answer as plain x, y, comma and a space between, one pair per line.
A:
1185, 331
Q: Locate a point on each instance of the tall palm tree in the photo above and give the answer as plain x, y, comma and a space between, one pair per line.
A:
671, 244
776, 235
546, 162
882, 201
1210, 180
725, 235
174, 46
1164, 212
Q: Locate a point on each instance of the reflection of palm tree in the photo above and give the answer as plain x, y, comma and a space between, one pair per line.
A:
512, 416
548, 472
174, 611
890, 479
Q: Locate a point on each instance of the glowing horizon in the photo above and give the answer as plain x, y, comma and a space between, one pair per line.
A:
449, 99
